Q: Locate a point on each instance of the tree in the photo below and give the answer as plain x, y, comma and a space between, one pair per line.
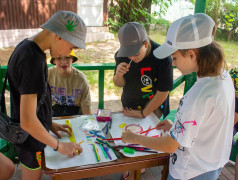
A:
213, 8
123, 11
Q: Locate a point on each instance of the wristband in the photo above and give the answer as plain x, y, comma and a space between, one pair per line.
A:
142, 114
56, 149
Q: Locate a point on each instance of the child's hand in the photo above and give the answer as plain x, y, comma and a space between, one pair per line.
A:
129, 137
132, 113
70, 149
60, 127
122, 69
165, 125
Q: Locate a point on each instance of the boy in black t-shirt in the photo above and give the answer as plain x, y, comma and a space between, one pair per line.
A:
28, 80
146, 80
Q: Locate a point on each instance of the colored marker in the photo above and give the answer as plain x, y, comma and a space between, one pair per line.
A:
81, 142
147, 130
99, 140
107, 151
115, 152
146, 150
96, 153
134, 147
112, 139
96, 134
105, 154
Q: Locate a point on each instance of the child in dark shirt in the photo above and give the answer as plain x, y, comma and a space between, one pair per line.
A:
28, 81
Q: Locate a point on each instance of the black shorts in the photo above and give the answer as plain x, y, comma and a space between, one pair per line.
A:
29, 159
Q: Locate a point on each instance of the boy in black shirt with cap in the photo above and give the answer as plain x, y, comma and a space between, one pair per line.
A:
146, 80
28, 80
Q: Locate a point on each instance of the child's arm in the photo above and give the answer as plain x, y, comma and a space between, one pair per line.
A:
165, 143
154, 104
118, 78
30, 123
164, 125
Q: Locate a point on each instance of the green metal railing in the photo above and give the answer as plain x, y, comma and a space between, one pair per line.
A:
8, 150
101, 68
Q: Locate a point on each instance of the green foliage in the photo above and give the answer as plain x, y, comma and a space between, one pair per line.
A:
163, 4
123, 11
225, 15
229, 19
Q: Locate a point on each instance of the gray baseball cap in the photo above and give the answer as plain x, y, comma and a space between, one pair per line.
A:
69, 26
131, 36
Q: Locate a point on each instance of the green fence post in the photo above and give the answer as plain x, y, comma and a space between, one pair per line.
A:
200, 6
101, 89
190, 79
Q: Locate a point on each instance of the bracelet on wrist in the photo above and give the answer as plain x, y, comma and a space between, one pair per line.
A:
142, 114
56, 149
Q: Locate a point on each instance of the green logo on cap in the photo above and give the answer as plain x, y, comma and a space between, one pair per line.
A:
70, 26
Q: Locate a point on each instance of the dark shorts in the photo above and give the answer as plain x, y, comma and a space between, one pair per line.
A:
30, 160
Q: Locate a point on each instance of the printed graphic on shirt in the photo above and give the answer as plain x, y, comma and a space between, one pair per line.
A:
147, 82
179, 125
179, 128
59, 96
63, 100
173, 157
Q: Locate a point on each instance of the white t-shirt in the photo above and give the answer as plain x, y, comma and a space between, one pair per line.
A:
203, 127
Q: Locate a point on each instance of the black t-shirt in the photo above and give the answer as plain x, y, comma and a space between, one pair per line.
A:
145, 78
28, 74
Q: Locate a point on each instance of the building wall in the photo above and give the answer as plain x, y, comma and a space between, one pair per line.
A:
91, 11
27, 14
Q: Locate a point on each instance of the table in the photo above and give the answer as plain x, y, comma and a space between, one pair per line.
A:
101, 169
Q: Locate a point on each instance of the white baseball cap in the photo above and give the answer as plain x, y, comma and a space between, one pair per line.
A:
189, 32
69, 26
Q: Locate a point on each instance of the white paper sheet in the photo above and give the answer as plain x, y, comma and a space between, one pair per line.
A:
116, 132
55, 160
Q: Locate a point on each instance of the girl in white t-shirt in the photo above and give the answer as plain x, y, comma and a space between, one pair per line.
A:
200, 138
